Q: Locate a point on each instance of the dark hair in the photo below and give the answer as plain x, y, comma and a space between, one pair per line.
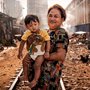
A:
30, 18
60, 8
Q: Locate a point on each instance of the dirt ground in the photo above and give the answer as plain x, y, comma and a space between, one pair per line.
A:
9, 63
77, 73
73, 68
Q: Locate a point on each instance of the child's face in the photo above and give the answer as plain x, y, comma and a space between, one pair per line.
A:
33, 26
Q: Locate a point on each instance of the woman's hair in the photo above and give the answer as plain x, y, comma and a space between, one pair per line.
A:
30, 18
60, 8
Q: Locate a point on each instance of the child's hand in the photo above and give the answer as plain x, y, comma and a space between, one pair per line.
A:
19, 55
46, 55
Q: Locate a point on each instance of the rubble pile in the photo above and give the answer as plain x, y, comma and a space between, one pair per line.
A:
76, 74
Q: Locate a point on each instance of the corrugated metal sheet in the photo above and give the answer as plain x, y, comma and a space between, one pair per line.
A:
6, 24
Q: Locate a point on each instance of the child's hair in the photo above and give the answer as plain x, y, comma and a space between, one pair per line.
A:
30, 18
60, 8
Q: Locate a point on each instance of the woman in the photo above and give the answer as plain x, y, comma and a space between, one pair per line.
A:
52, 67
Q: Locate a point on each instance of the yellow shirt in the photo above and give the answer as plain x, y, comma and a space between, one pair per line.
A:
42, 33
37, 47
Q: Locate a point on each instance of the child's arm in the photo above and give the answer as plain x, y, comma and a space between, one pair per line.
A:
21, 49
47, 49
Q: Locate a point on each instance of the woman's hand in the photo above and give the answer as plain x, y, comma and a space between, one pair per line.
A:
46, 55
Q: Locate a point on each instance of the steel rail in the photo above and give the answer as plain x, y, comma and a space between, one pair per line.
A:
21, 71
62, 84
15, 81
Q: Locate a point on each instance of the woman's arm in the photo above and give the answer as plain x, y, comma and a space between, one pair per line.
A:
47, 47
59, 55
47, 50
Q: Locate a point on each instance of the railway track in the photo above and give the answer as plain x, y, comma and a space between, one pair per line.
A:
15, 81
66, 82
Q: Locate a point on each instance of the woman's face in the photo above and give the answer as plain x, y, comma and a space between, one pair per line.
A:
54, 19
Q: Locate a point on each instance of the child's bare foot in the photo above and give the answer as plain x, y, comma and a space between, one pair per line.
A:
25, 85
33, 83
20, 78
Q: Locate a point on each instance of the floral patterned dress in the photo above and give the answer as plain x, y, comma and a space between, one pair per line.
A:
51, 70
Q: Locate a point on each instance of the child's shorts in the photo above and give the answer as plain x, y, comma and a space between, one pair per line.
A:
39, 52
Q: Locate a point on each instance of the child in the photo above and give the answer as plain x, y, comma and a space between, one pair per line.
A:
38, 45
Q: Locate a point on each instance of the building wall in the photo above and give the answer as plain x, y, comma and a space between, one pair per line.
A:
12, 8
39, 8
79, 11
78, 18
1, 5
